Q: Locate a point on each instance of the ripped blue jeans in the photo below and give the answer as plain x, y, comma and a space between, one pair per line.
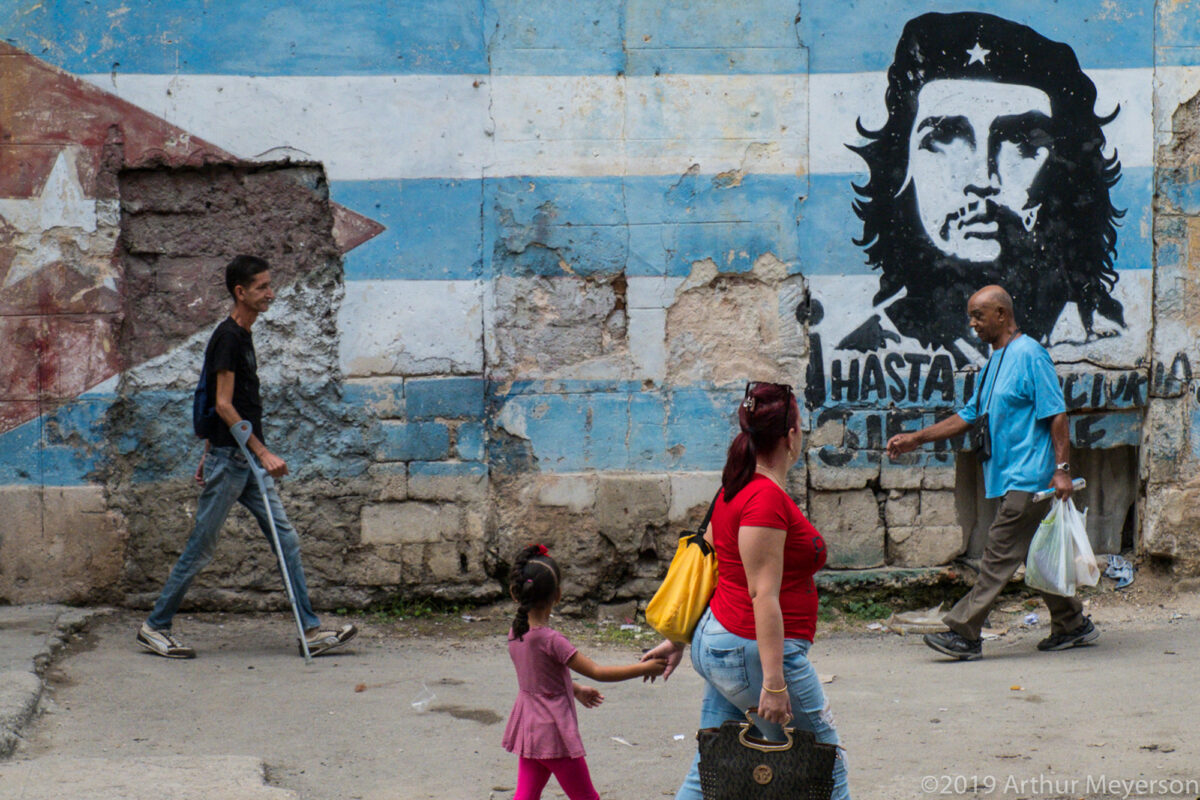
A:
732, 670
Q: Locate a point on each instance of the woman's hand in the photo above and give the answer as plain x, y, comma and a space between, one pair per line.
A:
671, 652
775, 707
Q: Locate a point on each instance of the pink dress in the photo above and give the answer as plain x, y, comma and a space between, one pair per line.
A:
543, 723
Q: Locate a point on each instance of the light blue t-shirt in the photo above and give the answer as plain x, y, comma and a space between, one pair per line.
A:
1025, 396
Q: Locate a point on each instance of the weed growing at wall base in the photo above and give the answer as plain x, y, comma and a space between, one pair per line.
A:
400, 608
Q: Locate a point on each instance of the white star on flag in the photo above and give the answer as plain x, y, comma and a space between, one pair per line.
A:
61, 204
977, 53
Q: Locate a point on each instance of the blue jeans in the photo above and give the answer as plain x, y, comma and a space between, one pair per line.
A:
227, 479
733, 672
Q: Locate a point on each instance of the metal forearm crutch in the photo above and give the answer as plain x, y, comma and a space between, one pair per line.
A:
241, 433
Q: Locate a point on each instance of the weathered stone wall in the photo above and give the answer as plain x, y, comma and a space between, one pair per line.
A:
529, 256
1171, 436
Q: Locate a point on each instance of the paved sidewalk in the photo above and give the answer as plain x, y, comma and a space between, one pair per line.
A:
1019, 723
30, 636
151, 778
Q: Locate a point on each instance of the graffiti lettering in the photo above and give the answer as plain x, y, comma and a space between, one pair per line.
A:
1173, 382
1130, 389
1087, 432
930, 382
894, 362
873, 381
837, 384
1072, 399
866, 435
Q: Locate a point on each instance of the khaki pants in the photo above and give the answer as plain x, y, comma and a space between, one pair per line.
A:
1007, 546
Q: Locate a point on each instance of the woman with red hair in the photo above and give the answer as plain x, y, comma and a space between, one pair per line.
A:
751, 645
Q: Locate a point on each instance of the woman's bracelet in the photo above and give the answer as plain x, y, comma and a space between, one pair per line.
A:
775, 691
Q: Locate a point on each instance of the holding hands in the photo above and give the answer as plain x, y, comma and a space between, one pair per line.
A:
652, 667
670, 653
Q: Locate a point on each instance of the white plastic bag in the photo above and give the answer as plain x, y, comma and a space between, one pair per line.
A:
1087, 571
1050, 565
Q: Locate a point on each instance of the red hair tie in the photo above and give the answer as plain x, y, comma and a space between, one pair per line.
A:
542, 551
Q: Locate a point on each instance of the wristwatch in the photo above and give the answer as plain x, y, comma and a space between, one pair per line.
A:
1063, 467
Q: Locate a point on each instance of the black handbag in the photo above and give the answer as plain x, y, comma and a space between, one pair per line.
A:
737, 766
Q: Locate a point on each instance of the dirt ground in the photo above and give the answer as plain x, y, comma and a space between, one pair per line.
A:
1089, 722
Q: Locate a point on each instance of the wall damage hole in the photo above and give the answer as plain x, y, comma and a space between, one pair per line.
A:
180, 226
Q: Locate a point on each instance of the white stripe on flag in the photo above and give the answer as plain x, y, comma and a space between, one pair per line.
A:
468, 127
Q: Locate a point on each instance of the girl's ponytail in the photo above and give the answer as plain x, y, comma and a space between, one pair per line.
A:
532, 582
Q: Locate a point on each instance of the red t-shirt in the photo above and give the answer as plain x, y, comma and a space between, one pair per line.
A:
762, 504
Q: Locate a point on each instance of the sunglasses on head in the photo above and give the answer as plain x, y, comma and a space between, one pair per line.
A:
748, 400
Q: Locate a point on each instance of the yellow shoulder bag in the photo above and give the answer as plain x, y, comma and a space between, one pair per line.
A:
685, 591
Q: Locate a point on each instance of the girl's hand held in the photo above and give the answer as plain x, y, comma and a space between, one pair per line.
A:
653, 667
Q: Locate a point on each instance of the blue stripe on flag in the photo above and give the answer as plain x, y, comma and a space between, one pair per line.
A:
418, 37
861, 35
642, 225
432, 228
253, 37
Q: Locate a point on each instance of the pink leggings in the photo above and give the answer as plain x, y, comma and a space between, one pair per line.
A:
572, 775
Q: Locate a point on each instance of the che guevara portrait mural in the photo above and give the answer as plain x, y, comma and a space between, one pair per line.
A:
985, 153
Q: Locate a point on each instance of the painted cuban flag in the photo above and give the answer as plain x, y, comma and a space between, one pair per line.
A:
509, 147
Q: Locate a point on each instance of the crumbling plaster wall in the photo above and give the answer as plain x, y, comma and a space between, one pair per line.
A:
1170, 466
598, 223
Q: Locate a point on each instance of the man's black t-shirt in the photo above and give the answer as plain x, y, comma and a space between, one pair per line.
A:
231, 349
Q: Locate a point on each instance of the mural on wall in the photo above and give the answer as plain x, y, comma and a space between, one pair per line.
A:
992, 168
61, 282
983, 153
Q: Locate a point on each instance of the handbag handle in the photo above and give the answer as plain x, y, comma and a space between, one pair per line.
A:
697, 536
762, 745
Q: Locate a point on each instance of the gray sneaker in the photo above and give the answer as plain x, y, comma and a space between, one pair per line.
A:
162, 643
323, 641
955, 645
1086, 633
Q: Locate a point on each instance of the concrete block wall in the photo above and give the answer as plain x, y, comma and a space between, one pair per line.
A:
531, 253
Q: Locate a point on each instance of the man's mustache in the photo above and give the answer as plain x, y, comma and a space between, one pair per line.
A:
983, 211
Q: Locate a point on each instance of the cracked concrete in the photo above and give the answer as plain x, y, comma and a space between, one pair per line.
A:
30, 637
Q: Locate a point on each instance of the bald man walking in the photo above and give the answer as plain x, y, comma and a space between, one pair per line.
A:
1021, 436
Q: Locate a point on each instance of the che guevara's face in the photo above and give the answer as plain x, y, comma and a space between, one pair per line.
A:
974, 153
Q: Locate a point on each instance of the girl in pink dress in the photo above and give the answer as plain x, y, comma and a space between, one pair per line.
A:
542, 728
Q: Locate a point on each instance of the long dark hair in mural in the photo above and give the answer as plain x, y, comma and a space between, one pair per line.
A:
990, 169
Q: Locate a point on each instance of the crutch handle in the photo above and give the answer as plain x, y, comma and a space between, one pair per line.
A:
241, 432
